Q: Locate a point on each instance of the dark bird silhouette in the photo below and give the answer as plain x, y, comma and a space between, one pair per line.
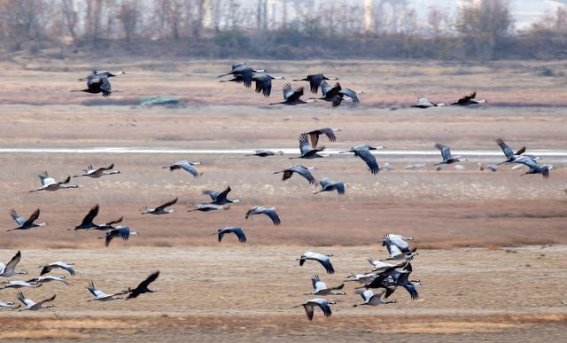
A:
299, 169
363, 151
265, 153
231, 229
243, 73
264, 83
221, 198
143, 286
161, 209
88, 223
24, 224
98, 84
269, 211
98, 172
307, 151
468, 100
208, 207
336, 94
121, 231
327, 131
59, 265
291, 96
327, 185
315, 81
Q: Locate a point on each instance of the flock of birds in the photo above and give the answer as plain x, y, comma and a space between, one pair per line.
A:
385, 275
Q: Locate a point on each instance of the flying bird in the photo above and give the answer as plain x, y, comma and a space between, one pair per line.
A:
425, 103
161, 209
103, 73
208, 207
468, 100
243, 72
299, 169
97, 84
187, 166
535, 168
9, 269
327, 131
323, 259
307, 151
48, 278
508, 152
315, 81
220, 198
448, 158
269, 211
238, 232
264, 83
20, 284
88, 223
143, 286
98, 172
49, 184
58, 265
265, 153
8, 304
25, 224
121, 231
33, 306
327, 185
323, 304
363, 151
320, 288
291, 96
101, 296
372, 299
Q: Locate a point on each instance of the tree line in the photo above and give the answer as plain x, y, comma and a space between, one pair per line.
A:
229, 29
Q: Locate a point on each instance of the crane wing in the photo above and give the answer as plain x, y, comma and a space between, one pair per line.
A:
368, 158
32, 218
508, 152
167, 204
88, 219
19, 219
13, 262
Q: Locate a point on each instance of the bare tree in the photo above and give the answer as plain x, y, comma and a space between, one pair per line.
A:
129, 15
485, 26
22, 21
69, 18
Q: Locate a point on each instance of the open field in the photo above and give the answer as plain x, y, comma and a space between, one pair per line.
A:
492, 245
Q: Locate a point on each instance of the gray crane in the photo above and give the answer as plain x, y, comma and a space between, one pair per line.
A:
291, 96
187, 166
299, 169
9, 269
363, 151
269, 211
448, 158
307, 151
320, 288
328, 185
324, 260
88, 223
264, 83
49, 184
221, 198
323, 304
32, 305
327, 131
238, 232
161, 209
25, 224
535, 168
315, 81
468, 100
98, 172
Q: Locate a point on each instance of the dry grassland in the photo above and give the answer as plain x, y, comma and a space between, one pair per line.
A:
473, 289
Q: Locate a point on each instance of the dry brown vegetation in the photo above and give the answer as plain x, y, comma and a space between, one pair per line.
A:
228, 291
